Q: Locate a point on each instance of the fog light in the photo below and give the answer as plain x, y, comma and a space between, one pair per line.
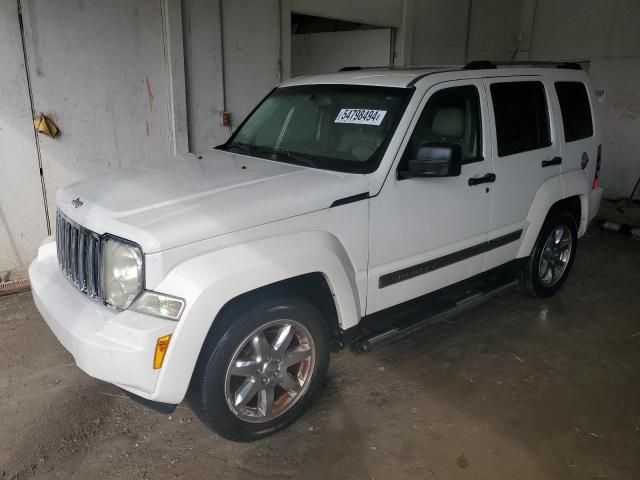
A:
162, 344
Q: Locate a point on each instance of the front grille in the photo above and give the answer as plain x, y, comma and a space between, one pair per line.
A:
79, 256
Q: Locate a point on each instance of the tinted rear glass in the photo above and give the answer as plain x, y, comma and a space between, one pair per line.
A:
521, 115
576, 112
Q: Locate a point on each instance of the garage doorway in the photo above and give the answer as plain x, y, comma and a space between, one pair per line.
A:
325, 45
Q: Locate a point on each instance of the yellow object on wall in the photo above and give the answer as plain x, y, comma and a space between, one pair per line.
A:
46, 126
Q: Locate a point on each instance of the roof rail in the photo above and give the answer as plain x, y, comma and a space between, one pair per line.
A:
351, 68
486, 64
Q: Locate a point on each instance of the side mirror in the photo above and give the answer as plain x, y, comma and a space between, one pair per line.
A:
434, 159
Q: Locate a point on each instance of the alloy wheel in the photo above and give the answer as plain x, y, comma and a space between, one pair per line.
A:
269, 371
555, 256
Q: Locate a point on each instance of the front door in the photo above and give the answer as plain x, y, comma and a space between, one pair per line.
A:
427, 233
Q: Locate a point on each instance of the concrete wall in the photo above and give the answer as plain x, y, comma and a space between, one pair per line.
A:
453, 32
439, 33
328, 52
204, 72
385, 13
586, 29
103, 79
618, 79
234, 65
251, 31
608, 34
524, 30
22, 217
231, 65
494, 29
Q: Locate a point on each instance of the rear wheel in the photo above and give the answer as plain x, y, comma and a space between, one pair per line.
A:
553, 254
261, 367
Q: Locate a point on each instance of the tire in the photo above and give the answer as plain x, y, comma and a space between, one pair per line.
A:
245, 389
551, 255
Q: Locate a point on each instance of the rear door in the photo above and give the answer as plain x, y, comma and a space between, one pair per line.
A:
525, 156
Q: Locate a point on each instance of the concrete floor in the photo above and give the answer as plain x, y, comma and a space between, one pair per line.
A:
523, 388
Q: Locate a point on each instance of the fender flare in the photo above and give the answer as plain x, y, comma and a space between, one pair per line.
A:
210, 281
552, 191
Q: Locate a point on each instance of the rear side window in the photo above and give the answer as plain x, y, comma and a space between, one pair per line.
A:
521, 115
576, 112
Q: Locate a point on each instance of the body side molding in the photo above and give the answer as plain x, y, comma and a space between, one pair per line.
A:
446, 260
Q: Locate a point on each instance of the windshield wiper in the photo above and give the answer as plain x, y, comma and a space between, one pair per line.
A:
309, 161
274, 154
243, 147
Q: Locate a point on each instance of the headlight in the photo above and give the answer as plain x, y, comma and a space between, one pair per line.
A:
123, 272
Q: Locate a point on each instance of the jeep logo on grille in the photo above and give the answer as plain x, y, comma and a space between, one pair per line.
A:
77, 202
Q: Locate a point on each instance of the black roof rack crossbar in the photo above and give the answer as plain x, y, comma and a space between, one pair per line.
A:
486, 64
479, 65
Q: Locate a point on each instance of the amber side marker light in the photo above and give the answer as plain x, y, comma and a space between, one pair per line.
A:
162, 344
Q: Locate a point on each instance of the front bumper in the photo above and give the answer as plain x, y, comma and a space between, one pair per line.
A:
111, 345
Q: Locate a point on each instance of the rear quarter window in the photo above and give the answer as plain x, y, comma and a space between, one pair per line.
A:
521, 116
575, 109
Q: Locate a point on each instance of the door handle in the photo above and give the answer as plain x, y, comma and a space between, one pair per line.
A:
553, 161
488, 178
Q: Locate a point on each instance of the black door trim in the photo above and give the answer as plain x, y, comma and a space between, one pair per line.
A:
446, 260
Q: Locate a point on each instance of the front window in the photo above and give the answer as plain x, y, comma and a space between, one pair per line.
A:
335, 127
452, 115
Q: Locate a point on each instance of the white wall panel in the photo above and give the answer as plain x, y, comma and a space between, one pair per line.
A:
22, 218
439, 32
99, 69
586, 29
619, 113
251, 36
328, 52
204, 72
386, 13
495, 28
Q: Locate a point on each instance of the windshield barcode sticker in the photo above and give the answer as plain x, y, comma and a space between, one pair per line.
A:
361, 116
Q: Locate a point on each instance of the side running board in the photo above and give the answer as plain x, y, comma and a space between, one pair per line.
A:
366, 344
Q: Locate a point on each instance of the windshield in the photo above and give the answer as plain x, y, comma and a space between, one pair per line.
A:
335, 127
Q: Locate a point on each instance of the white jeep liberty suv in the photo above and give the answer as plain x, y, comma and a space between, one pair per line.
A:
347, 209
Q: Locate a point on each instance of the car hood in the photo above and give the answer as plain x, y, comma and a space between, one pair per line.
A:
201, 197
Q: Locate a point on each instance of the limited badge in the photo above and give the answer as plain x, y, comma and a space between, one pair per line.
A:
77, 203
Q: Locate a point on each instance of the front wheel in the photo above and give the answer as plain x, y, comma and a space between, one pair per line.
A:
261, 367
553, 254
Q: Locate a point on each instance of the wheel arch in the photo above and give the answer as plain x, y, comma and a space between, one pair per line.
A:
569, 193
312, 287
314, 265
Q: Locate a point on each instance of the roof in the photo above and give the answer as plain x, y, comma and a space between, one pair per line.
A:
405, 76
